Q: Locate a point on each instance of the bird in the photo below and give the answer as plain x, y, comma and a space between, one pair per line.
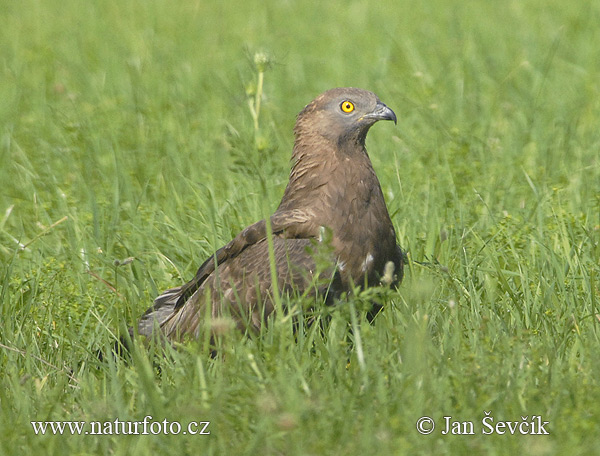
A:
333, 197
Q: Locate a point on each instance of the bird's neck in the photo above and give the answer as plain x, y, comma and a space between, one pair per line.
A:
321, 172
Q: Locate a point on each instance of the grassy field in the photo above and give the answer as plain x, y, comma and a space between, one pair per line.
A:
126, 132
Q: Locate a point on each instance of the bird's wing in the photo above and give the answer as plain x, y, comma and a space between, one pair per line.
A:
243, 287
290, 224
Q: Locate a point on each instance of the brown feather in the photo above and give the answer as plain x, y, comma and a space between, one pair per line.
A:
332, 184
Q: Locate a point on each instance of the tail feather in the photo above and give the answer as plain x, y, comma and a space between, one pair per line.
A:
163, 308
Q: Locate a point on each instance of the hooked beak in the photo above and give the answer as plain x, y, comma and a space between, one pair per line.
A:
381, 112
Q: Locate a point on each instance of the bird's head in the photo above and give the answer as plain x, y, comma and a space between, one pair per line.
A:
342, 115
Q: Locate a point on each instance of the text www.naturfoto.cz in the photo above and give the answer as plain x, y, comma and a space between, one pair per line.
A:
117, 427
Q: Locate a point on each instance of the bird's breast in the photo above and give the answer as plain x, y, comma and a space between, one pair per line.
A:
363, 235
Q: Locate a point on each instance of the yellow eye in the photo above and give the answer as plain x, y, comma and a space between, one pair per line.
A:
347, 106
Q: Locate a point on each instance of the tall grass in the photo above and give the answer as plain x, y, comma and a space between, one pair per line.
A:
126, 133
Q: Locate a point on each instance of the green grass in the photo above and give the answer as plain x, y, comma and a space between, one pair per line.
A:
125, 132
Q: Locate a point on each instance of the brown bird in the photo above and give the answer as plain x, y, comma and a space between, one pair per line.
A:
332, 193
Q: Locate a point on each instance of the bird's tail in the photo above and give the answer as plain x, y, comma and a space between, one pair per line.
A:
154, 317
161, 311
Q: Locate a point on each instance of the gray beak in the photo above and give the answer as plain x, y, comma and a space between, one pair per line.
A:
381, 112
